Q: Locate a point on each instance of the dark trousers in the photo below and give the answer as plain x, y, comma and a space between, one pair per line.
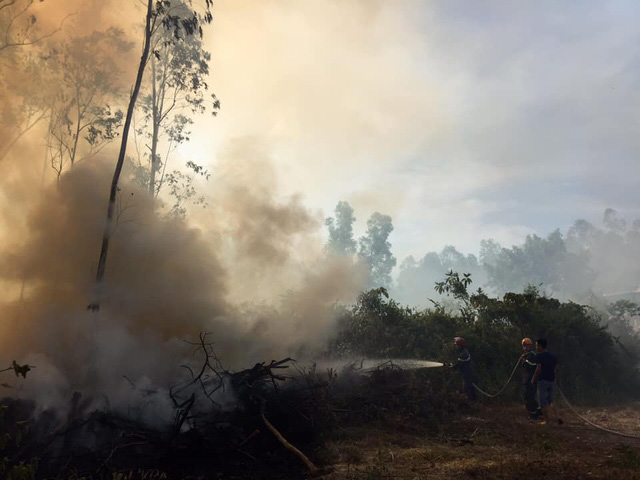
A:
529, 392
468, 388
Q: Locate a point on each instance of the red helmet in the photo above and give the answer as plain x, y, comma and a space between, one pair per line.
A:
459, 341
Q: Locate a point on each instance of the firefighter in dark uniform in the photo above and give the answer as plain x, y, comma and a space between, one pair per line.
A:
464, 366
528, 361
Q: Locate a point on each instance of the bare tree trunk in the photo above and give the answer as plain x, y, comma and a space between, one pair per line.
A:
72, 153
156, 132
104, 250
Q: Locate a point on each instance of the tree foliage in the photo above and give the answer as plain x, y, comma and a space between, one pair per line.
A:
19, 26
417, 276
375, 250
539, 261
340, 228
86, 75
603, 260
621, 318
25, 87
25, 94
182, 189
613, 252
593, 365
157, 13
175, 90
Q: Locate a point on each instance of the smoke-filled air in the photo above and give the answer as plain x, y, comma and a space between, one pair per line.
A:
268, 239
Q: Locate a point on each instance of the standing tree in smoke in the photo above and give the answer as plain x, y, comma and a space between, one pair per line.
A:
85, 73
614, 223
177, 86
24, 88
375, 250
25, 94
539, 261
612, 252
341, 240
416, 277
183, 25
19, 24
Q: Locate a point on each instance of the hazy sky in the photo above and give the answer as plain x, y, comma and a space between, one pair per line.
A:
463, 120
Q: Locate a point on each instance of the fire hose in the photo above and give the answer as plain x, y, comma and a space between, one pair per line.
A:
494, 395
571, 407
599, 427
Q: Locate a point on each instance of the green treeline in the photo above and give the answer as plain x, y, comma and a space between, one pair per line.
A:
588, 263
596, 366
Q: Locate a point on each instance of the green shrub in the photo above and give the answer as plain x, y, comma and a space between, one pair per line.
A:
593, 367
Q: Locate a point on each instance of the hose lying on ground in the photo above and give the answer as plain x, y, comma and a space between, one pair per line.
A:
608, 430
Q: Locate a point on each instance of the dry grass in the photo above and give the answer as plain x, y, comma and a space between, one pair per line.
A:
494, 442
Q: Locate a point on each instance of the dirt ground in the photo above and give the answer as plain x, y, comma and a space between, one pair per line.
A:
492, 441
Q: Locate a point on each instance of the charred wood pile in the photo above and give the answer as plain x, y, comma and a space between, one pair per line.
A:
267, 421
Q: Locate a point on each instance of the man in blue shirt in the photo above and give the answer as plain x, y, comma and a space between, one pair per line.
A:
545, 376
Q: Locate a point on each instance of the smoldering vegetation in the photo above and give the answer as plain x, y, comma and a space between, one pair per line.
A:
234, 273
169, 277
128, 370
166, 285
216, 281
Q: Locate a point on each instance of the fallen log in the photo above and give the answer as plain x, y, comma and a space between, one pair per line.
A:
308, 463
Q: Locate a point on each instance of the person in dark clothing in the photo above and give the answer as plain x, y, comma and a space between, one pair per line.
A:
545, 376
529, 389
464, 366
